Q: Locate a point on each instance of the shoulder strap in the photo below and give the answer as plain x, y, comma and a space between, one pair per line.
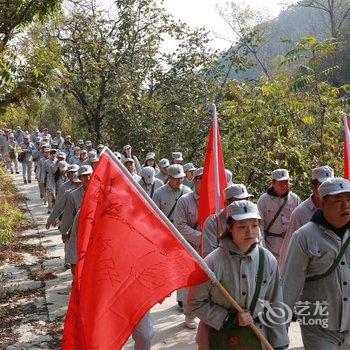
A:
258, 280
333, 266
277, 213
152, 189
173, 208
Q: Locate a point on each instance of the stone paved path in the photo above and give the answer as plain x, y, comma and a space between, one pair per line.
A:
41, 287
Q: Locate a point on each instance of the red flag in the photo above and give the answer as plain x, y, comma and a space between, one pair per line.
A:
346, 149
129, 259
214, 181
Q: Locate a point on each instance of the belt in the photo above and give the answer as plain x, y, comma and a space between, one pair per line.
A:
270, 234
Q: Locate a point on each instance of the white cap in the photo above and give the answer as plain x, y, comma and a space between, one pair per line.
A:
94, 159
92, 154
176, 171
85, 170
242, 210
334, 186
198, 172
88, 143
126, 147
150, 155
61, 155
238, 191
76, 148
163, 163
125, 160
280, 175
100, 146
189, 167
147, 173
73, 168
177, 156
80, 142
322, 173
83, 151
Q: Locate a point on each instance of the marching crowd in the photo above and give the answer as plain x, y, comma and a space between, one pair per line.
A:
280, 251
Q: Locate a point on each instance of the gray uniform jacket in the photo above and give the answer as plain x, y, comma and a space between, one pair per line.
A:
268, 206
210, 231
68, 185
162, 177
50, 167
59, 206
74, 160
74, 200
19, 136
150, 189
188, 183
3, 145
30, 149
301, 215
12, 149
72, 248
41, 170
165, 198
311, 252
186, 219
237, 272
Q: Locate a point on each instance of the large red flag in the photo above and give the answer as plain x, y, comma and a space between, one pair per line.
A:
129, 258
346, 148
214, 181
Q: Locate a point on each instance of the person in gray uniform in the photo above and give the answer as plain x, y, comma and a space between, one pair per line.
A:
317, 271
151, 161
250, 274
176, 158
275, 207
302, 214
148, 180
12, 154
72, 207
50, 185
75, 158
127, 153
41, 173
215, 225
69, 184
186, 221
163, 170
27, 149
58, 140
168, 195
19, 135
130, 165
46, 136
189, 169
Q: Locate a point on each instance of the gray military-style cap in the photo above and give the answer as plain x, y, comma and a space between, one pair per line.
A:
243, 210
198, 172
148, 174
322, 173
280, 175
73, 168
85, 170
150, 155
126, 160
177, 156
176, 171
164, 163
189, 167
238, 191
334, 186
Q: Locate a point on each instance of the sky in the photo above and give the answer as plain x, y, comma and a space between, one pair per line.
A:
204, 13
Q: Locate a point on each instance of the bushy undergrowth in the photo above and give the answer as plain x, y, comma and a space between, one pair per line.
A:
12, 218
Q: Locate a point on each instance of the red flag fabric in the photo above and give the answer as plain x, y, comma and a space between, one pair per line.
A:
128, 260
208, 192
346, 148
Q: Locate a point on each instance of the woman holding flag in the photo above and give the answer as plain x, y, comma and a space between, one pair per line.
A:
250, 274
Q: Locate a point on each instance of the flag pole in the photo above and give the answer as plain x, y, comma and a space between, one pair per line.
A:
346, 161
188, 247
216, 161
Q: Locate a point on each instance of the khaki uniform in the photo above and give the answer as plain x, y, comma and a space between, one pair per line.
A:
311, 252
268, 206
50, 185
301, 215
68, 185
165, 198
212, 225
237, 272
150, 189
27, 163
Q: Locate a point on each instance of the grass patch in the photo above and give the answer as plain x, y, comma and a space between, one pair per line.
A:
12, 218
